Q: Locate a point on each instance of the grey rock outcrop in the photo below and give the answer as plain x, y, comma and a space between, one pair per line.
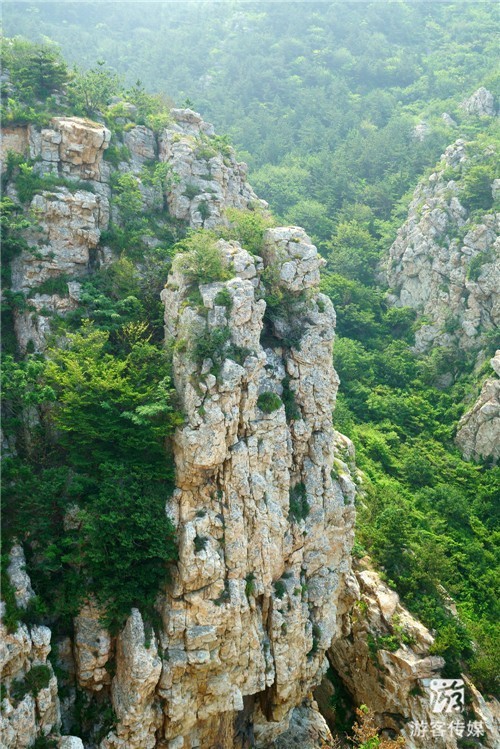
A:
253, 605
209, 180
65, 240
444, 266
395, 682
478, 433
481, 103
19, 578
92, 649
33, 712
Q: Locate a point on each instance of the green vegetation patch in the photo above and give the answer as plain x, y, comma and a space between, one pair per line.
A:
269, 402
299, 506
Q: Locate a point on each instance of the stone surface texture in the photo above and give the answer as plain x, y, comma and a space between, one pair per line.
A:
444, 265
481, 103
209, 180
253, 603
478, 433
92, 649
25, 717
66, 223
65, 240
395, 683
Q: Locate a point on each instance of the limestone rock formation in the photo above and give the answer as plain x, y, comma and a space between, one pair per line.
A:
384, 659
481, 103
30, 704
209, 181
92, 649
65, 240
478, 434
445, 266
264, 529
308, 730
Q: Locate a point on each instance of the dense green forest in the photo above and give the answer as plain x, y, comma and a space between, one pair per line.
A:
322, 100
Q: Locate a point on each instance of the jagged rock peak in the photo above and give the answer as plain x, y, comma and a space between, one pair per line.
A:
264, 527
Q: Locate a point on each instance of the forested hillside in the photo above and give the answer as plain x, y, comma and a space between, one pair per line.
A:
321, 102
340, 109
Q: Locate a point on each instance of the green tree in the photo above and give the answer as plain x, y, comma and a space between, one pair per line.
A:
111, 408
129, 541
93, 89
353, 252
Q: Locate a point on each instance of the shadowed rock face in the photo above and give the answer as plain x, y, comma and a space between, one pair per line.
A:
395, 682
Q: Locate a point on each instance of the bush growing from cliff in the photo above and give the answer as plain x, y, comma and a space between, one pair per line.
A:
199, 259
248, 227
129, 541
100, 396
212, 344
476, 192
299, 506
113, 413
269, 402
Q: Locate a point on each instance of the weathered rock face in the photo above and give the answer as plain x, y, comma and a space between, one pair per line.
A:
72, 146
209, 181
14, 139
264, 529
395, 682
67, 224
478, 434
481, 103
92, 649
66, 238
308, 730
445, 266
27, 713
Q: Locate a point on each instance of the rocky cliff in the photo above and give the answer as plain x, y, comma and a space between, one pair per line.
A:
264, 499
445, 261
264, 528
69, 217
478, 433
264, 524
384, 658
